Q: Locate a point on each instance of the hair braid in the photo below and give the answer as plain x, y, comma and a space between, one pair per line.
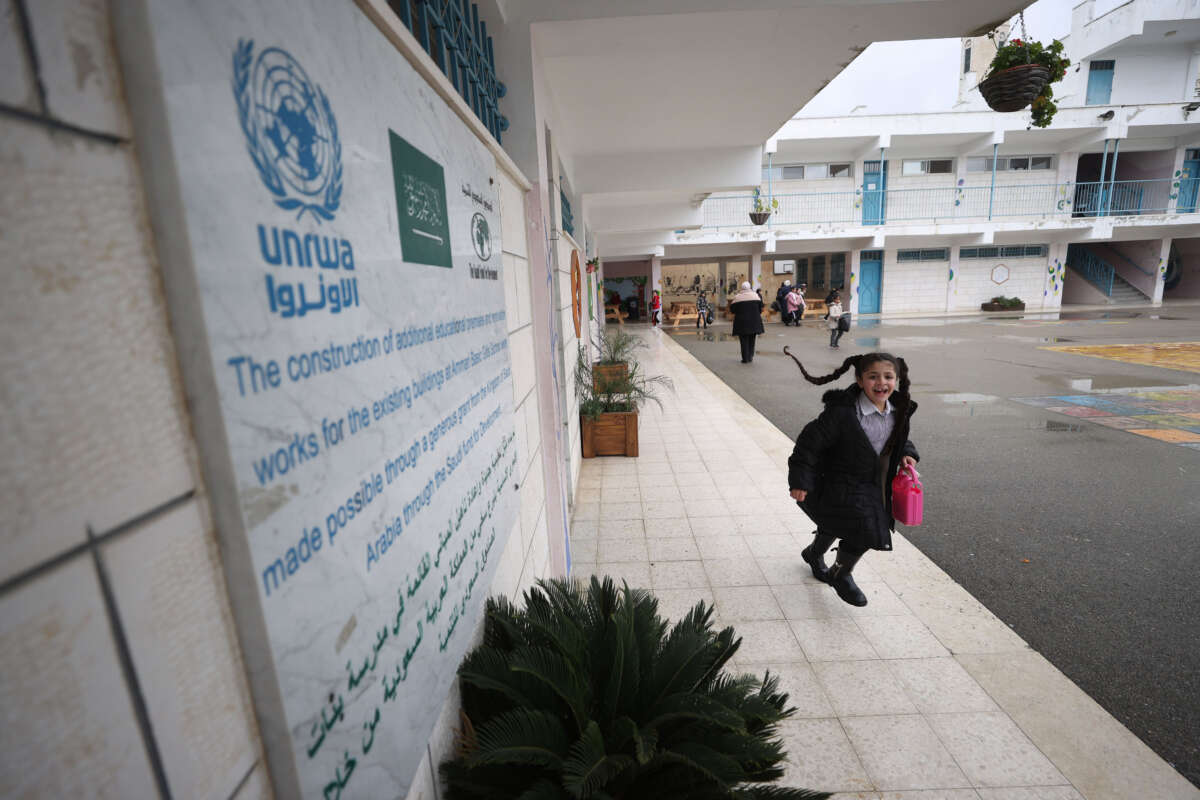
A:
852, 361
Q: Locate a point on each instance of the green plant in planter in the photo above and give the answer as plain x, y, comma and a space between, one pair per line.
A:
587, 692
764, 206
1018, 52
617, 346
1007, 302
616, 391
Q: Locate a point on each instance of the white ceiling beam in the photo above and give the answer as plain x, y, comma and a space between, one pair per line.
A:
709, 169
639, 218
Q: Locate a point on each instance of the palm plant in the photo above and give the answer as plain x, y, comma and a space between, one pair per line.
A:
617, 346
588, 693
601, 391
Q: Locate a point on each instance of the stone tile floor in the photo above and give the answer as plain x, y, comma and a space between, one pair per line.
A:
923, 694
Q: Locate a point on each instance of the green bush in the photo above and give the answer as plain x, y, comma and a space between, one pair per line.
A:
1007, 302
588, 693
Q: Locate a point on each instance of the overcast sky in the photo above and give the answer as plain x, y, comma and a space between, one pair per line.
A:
922, 76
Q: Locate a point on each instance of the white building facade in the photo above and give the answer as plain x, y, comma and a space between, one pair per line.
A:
1099, 208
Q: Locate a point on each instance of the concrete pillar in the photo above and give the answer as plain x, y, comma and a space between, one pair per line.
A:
952, 277
655, 274
1056, 273
722, 276
755, 277
1176, 177
852, 282
1164, 252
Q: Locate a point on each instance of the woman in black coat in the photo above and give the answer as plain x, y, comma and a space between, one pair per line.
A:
747, 308
842, 467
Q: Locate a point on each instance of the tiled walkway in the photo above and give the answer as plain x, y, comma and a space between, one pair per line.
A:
921, 694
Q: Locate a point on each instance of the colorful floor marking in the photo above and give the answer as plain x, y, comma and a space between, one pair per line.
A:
1171, 416
1172, 355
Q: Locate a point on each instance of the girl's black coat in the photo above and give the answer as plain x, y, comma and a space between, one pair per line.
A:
747, 317
834, 462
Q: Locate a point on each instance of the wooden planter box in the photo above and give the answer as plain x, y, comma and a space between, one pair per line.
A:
611, 434
998, 307
606, 373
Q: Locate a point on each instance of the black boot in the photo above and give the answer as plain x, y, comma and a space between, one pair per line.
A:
814, 556
843, 583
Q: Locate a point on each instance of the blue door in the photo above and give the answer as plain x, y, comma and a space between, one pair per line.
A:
1189, 180
870, 271
874, 193
1100, 79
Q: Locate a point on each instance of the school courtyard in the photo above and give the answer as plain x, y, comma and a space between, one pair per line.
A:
1033, 639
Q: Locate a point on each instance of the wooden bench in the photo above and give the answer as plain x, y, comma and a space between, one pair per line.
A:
682, 312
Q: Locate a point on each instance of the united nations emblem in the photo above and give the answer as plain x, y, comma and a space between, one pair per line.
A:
481, 236
291, 133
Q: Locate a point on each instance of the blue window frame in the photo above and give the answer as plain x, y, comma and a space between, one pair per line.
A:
458, 42
1100, 79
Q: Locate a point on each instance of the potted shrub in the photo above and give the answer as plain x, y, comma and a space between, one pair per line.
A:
1021, 74
762, 209
608, 407
1002, 303
587, 692
616, 348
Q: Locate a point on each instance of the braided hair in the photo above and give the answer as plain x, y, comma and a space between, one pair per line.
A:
861, 362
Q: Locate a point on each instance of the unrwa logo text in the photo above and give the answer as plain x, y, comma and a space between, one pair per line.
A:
291, 133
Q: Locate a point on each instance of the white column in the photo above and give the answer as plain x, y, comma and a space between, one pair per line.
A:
1164, 252
655, 274
1176, 178
1056, 273
755, 276
855, 279
952, 277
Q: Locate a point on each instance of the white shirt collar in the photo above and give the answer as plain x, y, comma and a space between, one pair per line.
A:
866, 407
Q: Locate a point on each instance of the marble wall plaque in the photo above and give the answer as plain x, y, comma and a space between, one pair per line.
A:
340, 227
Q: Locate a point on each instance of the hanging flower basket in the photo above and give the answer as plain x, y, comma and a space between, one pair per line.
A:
759, 217
1015, 88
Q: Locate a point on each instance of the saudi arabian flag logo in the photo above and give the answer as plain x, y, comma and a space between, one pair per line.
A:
420, 204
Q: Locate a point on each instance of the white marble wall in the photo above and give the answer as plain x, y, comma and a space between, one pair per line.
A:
96, 437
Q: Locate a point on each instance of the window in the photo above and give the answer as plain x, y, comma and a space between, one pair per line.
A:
1100, 80
929, 166
839, 170
818, 171
1192, 155
818, 272
1010, 163
837, 270
801, 270
929, 254
1007, 251
967, 59
793, 173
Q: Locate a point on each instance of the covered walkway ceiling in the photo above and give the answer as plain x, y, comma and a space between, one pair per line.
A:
660, 101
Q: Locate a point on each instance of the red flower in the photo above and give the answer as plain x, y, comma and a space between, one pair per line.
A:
1016, 41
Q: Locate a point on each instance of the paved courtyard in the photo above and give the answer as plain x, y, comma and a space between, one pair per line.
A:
921, 694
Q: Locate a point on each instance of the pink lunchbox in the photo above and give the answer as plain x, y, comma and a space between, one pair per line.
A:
908, 497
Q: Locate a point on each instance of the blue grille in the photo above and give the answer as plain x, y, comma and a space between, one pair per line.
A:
450, 31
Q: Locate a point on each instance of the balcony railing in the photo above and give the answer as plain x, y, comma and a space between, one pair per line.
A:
451, 32
961, 203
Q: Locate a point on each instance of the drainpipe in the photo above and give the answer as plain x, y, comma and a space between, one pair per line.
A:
1103, 171
882, 185
992, 192
1116, 152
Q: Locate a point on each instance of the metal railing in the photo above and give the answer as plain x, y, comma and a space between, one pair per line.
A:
953, 203
1098, 271
450, 31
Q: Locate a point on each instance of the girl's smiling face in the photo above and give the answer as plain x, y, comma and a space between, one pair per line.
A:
878, 381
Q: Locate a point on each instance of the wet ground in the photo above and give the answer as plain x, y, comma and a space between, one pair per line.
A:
1063, 484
